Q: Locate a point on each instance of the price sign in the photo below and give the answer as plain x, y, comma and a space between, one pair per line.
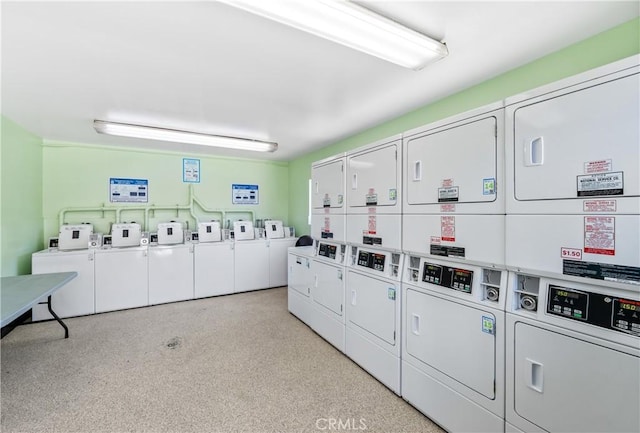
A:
571, 253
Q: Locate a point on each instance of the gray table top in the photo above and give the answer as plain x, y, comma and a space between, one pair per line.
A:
19, 294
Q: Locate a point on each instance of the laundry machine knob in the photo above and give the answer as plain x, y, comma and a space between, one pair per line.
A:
528, 302
492, 294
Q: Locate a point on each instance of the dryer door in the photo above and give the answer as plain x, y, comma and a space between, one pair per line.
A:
371, 306
300, 277
579, 145
455, 165
329, 288
373, 178
328, 185
566, 384
454, 339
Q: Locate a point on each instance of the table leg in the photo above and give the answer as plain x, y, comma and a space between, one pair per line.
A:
55, 316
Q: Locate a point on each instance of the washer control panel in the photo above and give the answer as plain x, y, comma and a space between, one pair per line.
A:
610, 312
445, 276
371, 260
327, 250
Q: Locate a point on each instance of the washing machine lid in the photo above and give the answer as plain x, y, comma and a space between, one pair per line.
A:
125, 234
274, 229
74, 237
243, 230
170, 233
209, 231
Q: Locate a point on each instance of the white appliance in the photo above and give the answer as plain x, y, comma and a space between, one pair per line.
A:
453, 343
125, 235
453, 205
121, 278
278, 261
328, 292
74, 237
170, 273
300, 281
213, 269
209, 231
77, 297
328, 199
251, 267
243, 230
274, 229
374, 194
373, 313
572, 356
170, 233
573, 160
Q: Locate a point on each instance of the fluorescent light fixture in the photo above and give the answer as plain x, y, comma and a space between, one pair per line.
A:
354, 26
153, 133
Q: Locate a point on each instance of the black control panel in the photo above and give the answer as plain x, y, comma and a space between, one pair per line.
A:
371, 260
327, 250
610, 312
445, 276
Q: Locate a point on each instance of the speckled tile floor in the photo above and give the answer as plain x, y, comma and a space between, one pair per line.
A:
238, 363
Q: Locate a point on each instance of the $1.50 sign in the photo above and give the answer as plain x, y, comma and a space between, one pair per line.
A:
571, 253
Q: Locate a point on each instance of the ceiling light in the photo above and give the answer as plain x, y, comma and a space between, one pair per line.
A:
354, 26
153, 133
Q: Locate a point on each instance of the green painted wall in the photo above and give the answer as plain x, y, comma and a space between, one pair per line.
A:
78, 176
614, 44
21, 198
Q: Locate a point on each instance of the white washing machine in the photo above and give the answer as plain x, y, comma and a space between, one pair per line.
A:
251, 267
373, 313
170, 265
171, 273
300, 281
572, 356
121, 278
573, 157
453, 343
77, 297
328, 292
328, 198
213, 265
213, 261
453, 205
374, 203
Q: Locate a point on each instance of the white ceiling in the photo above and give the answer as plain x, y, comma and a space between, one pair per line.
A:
208, 67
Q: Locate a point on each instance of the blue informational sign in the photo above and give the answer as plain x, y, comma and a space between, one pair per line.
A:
128, 190
244, 194
190, 170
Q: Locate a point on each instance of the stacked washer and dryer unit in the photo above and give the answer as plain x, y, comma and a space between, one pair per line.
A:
327, 292
316, 272
519, 262
573, 244
454, 279
373, 292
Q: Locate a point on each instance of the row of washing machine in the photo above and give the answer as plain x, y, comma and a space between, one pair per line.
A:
129, 269
487, 267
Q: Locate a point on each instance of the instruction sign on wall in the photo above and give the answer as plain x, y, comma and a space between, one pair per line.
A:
128, 190
244, 194
190, 170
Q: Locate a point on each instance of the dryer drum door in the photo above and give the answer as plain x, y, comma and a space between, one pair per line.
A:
566, 384
454, 339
